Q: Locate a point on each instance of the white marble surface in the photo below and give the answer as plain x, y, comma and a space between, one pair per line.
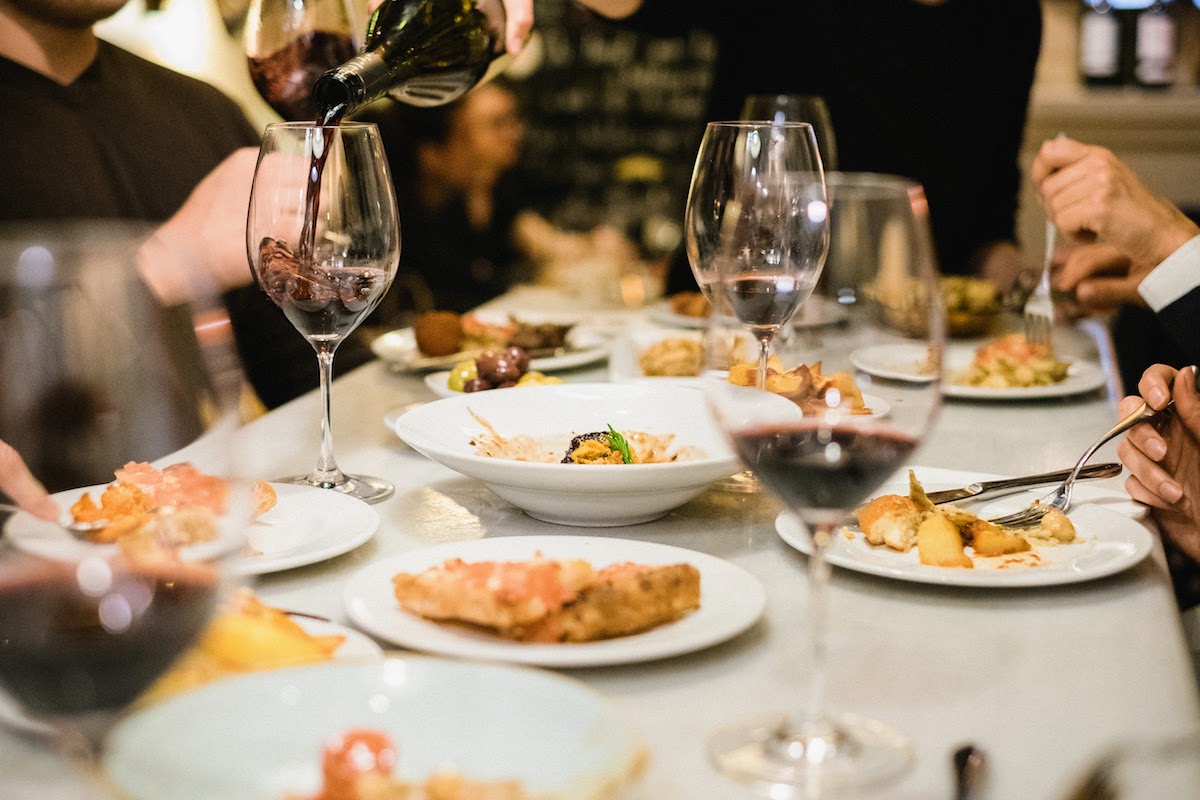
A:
1043, 679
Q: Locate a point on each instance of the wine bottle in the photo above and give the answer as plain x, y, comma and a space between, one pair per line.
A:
1099, 44
424, 52
1156, 46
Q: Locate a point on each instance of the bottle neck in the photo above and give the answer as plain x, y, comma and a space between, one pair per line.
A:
360, 80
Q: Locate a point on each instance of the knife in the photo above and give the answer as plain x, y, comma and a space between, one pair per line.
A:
981, 489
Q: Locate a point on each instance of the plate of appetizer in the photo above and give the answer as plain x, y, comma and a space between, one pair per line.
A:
900, 536
440, 340
545, 735
1009, 368
594, 455
292, 526
567, 601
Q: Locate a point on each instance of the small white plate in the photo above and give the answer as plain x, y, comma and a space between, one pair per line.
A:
306, 525
587, 346
1110, 542
731, 600
438, 383
661, 313
260, 736
902, 361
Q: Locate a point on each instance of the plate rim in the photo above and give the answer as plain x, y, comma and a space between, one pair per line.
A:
749, 610
592, 353
786, 527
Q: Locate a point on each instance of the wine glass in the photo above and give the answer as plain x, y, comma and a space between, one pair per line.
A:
822, 455
797, 108
291, 43
323, 239
98, 372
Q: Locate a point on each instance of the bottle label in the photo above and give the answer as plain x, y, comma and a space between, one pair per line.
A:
1099, 50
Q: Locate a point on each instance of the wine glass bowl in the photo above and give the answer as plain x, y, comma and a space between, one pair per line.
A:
825, 459
323, 239
99, 372
291, 43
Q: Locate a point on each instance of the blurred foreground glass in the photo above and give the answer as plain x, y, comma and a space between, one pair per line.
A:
797, 108
95, 373
822, 440
291, 43
1145, 769
323, 238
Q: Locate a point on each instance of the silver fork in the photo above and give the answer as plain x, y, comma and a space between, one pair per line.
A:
1039, 307
81, 529
1060, 498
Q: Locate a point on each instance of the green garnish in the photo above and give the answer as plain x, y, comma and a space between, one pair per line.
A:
617, 442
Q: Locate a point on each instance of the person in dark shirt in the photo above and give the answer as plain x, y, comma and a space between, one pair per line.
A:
90, 131
933, 90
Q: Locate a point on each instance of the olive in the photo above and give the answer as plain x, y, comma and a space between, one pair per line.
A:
519, 357
460, 373
477, 385
497, 367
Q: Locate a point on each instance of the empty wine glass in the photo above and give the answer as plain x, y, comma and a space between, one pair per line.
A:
291, 43
797, 108
97, 372
323, 239
822, 442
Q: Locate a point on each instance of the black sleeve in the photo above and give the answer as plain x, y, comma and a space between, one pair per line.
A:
1179, 319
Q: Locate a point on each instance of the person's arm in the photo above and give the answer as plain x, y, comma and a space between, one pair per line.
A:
18, 483
613, 9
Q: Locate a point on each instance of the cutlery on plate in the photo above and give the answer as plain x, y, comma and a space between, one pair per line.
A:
982, 489
1060, 498
969, 762
80, 529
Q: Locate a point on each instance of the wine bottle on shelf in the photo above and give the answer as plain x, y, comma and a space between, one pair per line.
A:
423, 52
1100, 44
1156, 46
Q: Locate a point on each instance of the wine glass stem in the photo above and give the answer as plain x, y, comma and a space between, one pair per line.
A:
764, 355
327, 471
818, 618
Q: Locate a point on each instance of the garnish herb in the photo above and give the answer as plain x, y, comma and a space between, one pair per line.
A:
617, 442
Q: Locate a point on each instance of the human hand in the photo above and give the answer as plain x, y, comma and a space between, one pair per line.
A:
1164, 462
1002, 264
1090, 193
1100, 277
206, 238
18, 483
518, 22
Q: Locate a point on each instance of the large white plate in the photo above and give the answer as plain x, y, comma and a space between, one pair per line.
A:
306, 525
1110, 542
900, 362
816, 312
399, 348
731, 600
260, 736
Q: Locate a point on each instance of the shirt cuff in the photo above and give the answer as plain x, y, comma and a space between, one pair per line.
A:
1177, 275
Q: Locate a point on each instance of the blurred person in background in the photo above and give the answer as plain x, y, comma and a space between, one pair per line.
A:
1130, 254
470, 233
91, 131
933, 90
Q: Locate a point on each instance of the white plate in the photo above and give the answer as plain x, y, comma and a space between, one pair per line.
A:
900, 362
438, 383
816, 312
260, 736
399, 347
306, 525
570, 494
731, 600
1111, 542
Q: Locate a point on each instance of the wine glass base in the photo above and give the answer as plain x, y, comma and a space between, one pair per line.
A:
364, 487
741, 483
846, 751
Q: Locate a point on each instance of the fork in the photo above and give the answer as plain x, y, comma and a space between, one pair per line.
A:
1060, 498
76, 528
1039, 307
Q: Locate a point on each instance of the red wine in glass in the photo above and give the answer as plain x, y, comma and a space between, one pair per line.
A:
285, 77
821, 469
764, 301
90, 636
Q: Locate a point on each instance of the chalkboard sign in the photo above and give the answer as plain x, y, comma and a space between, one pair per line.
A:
613, 120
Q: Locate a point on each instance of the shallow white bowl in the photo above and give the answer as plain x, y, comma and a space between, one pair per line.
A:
259, 737
571, 494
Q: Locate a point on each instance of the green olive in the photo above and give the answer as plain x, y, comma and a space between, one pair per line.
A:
460, 373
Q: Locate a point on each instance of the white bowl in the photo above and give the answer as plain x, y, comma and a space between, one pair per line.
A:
259, 737
571, 494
